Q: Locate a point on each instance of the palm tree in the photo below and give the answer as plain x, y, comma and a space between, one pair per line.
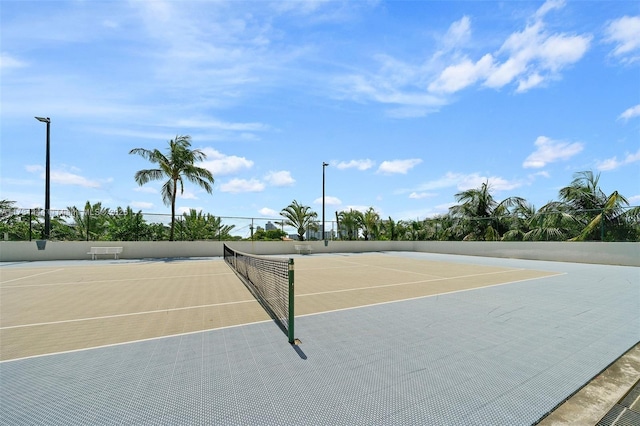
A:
416, 230
199, 226
552, 222
592, 208
370, 224
389, 229
126, 225
90, 223
300, 217
11, 221
480, 216
178, 162
350, 223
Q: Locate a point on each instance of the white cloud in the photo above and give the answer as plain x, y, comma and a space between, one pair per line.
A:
355, 164
459, 33
463, 182
146, 189
220, 164
187, 195
64, 177
533, 80
629, 113
535, 56
625, 33
421, 195
398, 166
542, 173
608, 164
529, 57
448, 180
394, 83
242, 185
142, 205
329, 201
548, 6
549, 151
634, 200
267, 212
300, 7
212, 123
361, 209
332, 201
34, 168
496, 183
457, 77
614, 163
281, 178
390, 86
185, 209
7, 62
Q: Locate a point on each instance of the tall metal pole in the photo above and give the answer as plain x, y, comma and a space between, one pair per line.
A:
47, 184
323, 234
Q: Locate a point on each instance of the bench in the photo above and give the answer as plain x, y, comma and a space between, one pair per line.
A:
303, 248
95, 251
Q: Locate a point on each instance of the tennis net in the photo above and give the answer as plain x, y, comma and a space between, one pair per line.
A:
270, 280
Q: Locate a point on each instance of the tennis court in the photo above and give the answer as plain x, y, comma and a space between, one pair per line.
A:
57, 309
386, 338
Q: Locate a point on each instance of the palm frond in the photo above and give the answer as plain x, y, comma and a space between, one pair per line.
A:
147, 175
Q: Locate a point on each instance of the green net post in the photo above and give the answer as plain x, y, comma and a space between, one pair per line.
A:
291, 297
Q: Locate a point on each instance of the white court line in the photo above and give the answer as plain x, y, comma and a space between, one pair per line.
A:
30, 276
177, 277
413, 282
269, 320
126, 315
367, 265
251, 300
133, 341
433, 295
360, 265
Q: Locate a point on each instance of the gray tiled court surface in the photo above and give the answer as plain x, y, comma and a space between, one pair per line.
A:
502, 355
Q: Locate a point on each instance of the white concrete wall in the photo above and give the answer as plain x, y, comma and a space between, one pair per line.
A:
590, 252
580, 252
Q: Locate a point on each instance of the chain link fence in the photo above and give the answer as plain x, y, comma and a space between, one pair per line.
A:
18, 224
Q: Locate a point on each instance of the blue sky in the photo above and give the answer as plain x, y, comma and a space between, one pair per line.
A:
409, 101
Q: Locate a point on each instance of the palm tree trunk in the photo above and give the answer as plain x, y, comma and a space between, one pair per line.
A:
173, 211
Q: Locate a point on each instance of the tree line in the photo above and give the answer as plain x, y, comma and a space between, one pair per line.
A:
583, 212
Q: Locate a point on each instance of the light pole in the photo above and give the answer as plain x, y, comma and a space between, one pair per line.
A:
47, 182
324, 165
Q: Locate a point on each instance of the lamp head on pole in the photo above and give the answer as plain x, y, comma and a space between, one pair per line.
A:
43, 119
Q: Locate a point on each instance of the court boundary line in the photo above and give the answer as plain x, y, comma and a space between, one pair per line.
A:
108, 281
184, 308
437, 294
422, 281
133, 341
28, 276
367, 265
126, 315
270, 320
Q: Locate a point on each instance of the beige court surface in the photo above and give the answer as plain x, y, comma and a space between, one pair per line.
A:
63, 308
